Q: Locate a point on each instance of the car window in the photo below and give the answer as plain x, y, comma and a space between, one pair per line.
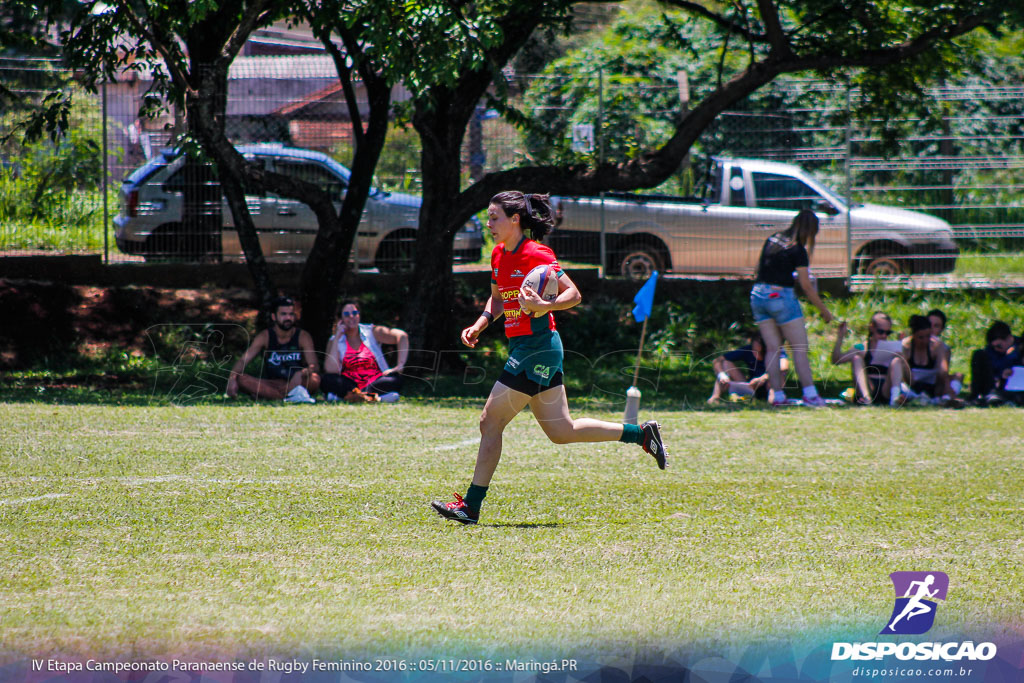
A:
313, 173
775, 191
176, 181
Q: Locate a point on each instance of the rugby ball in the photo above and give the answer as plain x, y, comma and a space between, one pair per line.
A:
544, 281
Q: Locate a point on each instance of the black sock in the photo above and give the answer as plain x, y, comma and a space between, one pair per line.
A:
475, 496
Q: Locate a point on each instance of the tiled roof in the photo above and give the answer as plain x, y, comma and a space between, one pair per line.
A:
283, 67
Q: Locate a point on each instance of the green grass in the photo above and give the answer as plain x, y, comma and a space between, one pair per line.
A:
72, 224
237, 528
994, 266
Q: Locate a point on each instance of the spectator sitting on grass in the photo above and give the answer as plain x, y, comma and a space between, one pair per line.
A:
355, 368
743, 371
938, 321
872, 368
925, 363
992, 366
289, 370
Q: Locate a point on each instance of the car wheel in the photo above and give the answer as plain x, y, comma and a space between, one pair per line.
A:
164, 244
396, 254
883, 266
170, 242
639, 261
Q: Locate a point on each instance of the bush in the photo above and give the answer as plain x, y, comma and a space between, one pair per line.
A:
50, 196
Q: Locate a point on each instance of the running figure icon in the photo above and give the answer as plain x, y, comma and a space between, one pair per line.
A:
915, 606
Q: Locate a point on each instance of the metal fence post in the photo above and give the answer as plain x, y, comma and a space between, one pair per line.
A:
600, 162
849, 193
106, 179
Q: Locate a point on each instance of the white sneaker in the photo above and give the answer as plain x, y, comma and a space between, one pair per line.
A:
299, 395
332, 398
390, 397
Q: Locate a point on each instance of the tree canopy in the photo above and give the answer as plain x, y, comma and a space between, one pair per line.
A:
452, 56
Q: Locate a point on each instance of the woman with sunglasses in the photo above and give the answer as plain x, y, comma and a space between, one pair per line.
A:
926, 366
874, 372
533, 374
784, 259
355, 368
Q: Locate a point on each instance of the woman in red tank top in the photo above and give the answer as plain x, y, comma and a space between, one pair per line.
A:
355, 368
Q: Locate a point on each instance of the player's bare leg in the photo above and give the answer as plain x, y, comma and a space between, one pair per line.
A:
551, 408
501, 408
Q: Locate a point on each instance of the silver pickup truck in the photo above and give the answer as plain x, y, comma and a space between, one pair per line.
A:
723, 234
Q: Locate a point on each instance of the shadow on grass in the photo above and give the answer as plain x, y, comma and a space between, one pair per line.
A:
526, 525
148, 386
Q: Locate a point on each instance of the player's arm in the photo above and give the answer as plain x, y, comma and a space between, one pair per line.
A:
568, 296
397, 337
308, 352
257, 346
493, 309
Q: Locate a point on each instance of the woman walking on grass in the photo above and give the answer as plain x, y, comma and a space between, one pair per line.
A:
776, 309
533, 374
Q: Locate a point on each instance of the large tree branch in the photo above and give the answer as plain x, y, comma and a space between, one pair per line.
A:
722, 22
890, 55
368, 76
777, 38
651, 169
322, 31
252, 17
159, 45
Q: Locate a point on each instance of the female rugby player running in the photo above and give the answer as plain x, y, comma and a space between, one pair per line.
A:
533, 374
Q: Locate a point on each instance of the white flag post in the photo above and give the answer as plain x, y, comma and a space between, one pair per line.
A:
644, 301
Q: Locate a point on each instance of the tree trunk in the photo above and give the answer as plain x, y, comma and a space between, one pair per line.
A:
206, 108
201, 218
328, 260
429, 313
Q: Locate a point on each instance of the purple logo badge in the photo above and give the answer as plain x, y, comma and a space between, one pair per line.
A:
916, 596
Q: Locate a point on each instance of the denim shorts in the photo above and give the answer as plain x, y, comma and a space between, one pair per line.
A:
772, 302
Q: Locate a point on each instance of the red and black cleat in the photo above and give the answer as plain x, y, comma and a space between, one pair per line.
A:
653, 444
456, 511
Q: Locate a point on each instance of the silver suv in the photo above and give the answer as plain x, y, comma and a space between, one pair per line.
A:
152, 197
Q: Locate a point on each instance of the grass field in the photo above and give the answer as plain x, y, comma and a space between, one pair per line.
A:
995, 266
243, 529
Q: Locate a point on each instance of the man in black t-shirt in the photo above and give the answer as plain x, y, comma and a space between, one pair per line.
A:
290, 370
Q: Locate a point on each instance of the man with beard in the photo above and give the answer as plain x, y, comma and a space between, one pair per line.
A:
289, 363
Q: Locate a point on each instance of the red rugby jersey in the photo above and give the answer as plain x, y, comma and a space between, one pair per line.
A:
508, 268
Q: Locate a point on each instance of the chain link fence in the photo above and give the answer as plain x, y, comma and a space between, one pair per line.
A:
929, 202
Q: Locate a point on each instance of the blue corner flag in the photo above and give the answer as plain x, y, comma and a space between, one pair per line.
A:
644, 299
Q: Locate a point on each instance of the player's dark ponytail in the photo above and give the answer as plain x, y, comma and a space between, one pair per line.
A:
534, 210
